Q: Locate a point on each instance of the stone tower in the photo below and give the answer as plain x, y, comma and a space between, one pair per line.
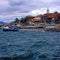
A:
47, 10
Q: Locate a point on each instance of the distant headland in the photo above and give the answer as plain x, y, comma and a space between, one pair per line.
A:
41, 21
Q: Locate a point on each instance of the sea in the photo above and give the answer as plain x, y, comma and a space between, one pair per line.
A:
29, 45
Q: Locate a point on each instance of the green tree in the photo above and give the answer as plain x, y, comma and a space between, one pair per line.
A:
17, 20
24, 20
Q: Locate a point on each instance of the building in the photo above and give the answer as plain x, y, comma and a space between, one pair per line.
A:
48, 11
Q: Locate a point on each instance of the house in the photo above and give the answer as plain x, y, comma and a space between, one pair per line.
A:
53, 17
37, 19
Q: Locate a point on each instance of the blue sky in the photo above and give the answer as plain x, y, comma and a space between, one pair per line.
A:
10, 9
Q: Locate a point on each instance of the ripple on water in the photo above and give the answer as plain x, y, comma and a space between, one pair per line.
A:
29, 45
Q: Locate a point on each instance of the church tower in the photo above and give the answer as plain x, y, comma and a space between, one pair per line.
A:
48, 11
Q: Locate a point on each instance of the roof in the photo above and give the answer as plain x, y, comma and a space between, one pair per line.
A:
52, 14
30, 16
39, 15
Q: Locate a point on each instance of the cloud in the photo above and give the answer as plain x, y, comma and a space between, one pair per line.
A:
10, 9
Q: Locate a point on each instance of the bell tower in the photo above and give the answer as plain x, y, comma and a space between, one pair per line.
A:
48, 11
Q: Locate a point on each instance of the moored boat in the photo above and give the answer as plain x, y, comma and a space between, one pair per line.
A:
10, 29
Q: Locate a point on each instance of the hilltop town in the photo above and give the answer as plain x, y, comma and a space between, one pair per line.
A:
42, 21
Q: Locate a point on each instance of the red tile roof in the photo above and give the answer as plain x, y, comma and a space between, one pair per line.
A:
30, 16
52, 15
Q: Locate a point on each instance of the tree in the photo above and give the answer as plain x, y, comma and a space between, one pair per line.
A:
24, 20
17, 20
55, 12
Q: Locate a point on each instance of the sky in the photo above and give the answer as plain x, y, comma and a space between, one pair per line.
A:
11, 9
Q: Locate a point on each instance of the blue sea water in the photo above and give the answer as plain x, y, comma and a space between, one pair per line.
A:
29, 45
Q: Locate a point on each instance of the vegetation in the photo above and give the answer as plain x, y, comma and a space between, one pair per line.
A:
24, 20
17, 20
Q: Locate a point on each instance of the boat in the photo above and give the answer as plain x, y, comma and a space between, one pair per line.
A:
10, 29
